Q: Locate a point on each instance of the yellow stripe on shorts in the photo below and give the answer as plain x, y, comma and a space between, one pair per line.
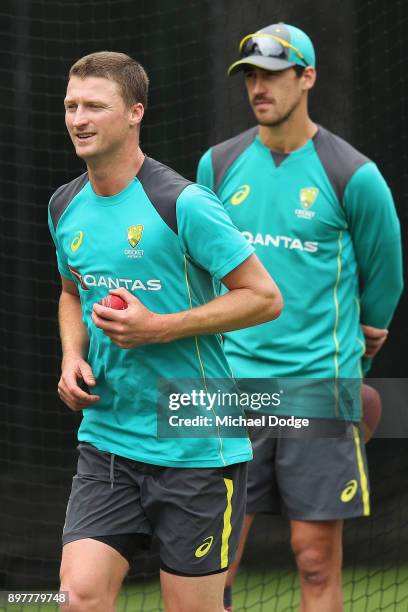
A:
226, 532
363, 476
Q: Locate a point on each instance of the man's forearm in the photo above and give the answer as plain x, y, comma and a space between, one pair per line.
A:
234, 310
253, 298
74, 337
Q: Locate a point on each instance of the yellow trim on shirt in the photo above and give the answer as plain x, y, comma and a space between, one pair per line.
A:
199, 356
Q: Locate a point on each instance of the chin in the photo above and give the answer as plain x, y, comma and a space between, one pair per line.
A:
269, 122
274, 121
85, 155
267, 118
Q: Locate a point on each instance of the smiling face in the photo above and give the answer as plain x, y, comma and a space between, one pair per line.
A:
274, 96
99, 122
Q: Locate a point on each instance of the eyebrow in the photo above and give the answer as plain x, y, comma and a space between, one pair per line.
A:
86, 101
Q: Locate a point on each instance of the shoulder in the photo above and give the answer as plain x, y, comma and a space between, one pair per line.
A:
163, 187
339, 159
196, 195
157, 177
368, 186
239, 141
198, 204
225, 153
64, 195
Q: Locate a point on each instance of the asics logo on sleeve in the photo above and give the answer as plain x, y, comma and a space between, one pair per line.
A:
349, 491
204, 548
77, 241
240, 195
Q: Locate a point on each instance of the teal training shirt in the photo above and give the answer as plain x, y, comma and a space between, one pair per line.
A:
163, 239
323, 222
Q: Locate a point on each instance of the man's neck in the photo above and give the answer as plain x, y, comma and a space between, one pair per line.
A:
288, 136
112, 176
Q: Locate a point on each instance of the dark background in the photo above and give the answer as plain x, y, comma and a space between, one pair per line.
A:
186, 47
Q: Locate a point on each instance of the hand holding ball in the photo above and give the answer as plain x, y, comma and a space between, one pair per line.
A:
114, 301
134, 327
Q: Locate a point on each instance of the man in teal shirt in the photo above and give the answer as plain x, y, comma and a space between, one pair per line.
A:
134, 227
322, 220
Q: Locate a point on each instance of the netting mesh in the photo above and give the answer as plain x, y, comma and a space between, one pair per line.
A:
185, 47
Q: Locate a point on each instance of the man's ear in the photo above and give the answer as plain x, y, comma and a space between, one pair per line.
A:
136, 114
309, 77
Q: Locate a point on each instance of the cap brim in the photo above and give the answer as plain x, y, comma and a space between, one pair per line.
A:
266, 63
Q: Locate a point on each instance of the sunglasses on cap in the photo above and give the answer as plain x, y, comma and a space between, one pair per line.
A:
267, 45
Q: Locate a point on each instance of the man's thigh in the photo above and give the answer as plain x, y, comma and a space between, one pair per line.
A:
262, 490
105, 502
92, 571
322, 478
201, 594
310, 479
197, 515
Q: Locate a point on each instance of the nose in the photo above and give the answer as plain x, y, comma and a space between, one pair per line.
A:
258, 85
80, 117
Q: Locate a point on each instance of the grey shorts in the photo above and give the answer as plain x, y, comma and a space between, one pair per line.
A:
196, 513
311, 478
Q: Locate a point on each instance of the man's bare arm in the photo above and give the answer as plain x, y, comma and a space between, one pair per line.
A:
74, 341
253, 298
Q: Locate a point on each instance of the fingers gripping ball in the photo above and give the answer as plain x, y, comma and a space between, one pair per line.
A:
372, 410
114, 301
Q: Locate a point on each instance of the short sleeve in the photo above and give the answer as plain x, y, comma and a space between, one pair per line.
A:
61, 258
207, 234
205, 173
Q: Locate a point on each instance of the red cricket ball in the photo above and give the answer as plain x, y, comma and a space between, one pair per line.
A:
114, 301
372, 410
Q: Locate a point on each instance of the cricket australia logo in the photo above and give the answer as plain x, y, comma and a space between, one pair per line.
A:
307, 197
134, 236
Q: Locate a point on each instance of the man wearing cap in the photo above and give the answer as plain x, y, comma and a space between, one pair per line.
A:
322, 220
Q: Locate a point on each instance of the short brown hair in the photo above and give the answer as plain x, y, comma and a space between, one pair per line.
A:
119, 67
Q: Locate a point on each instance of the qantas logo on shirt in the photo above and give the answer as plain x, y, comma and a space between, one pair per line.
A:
89, 280
240, 195
131, 284
285, 242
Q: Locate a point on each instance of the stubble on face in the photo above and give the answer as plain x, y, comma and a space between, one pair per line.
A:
102, 125
280, 118
278, 99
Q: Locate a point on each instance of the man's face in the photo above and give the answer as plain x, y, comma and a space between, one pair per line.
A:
273, 96
96, 117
